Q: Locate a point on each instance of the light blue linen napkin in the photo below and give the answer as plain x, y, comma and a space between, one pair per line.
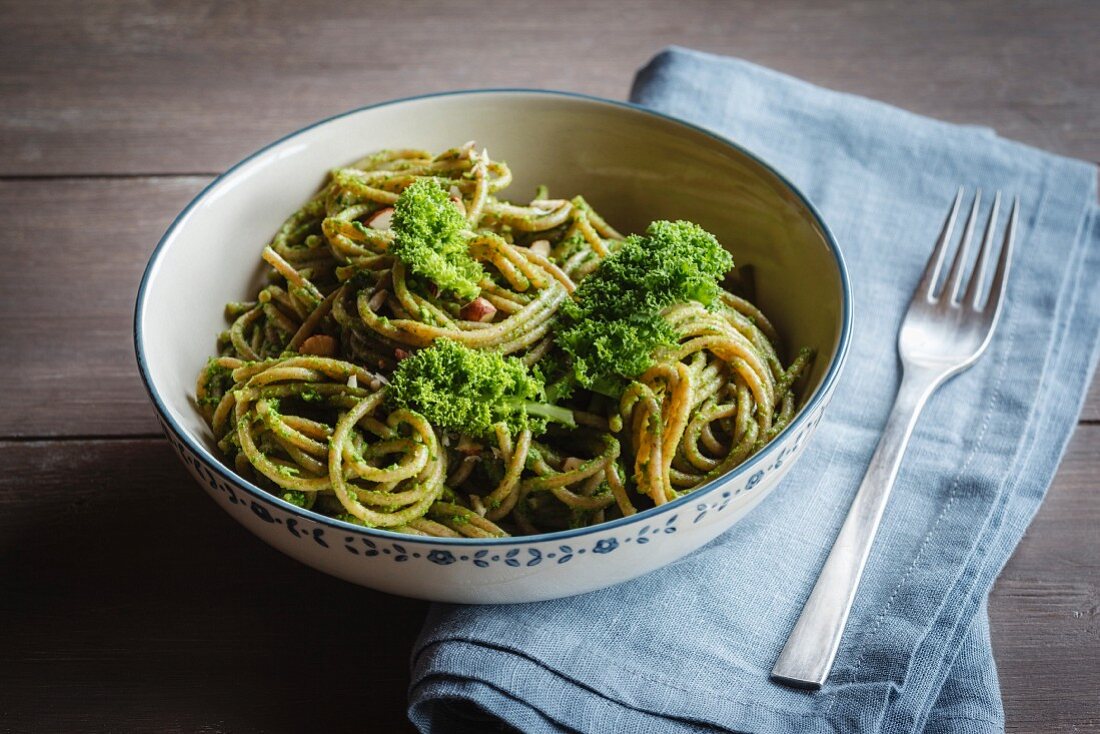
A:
689, 648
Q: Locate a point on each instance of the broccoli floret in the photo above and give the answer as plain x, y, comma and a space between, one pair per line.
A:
469, 391
430, 238
613, 325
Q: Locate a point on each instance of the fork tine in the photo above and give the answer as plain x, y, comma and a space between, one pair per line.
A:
993, 303
932, 270
953, 281
974, 288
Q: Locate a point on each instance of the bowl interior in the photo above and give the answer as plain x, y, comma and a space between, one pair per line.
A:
632, 166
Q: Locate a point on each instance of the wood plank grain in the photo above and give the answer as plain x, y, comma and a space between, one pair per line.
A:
69, 285
1045, 607
131, 603
71, 273
142, 87
1091, 410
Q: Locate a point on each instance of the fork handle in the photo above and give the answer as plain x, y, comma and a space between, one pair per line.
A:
815, 639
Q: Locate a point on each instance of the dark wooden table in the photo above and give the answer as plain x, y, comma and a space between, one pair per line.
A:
127, 600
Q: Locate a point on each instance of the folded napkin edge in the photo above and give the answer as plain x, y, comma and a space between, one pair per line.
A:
504, 666
671, 52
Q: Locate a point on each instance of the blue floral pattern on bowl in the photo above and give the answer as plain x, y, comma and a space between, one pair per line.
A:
483, 557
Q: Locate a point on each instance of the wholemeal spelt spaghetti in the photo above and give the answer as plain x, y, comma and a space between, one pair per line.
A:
341, 386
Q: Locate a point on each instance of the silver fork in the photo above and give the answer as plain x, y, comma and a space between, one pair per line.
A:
941, 336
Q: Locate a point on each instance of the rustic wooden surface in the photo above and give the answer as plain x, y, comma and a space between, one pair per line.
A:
113, 115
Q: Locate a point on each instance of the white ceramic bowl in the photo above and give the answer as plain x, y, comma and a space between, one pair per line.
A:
634, 166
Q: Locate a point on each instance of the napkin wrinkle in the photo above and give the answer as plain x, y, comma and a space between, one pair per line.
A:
624, 697
523, 659
455, 709
613, 706
962, 706
720, 666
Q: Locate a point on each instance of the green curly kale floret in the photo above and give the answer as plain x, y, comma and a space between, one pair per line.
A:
469, 391
430, 239
604, 355
613, 325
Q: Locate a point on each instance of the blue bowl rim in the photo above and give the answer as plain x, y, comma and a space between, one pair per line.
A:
824, 389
